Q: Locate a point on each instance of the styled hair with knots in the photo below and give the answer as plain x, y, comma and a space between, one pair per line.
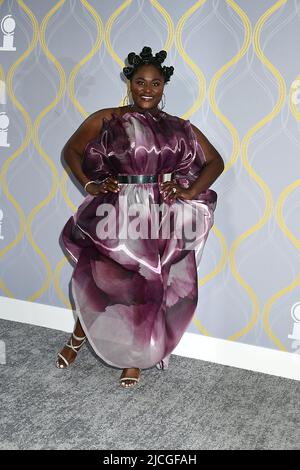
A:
147, 58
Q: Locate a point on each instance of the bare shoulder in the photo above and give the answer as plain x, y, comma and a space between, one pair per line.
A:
96, 119
201, 137
89, 129
92, 125
209, 150
173, 118
197, 131
180, 120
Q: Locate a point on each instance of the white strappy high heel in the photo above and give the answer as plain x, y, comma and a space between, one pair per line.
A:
74, 348
134, 379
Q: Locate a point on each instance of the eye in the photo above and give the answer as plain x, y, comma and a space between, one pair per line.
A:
141, 82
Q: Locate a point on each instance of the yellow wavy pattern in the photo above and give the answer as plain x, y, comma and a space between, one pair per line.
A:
113, 19
23, 146
108, 28
105, 35
288, 190
280, 220
268, 307
6, 291
279, 217
233, 132
94, 50
70, 87
48, 160
178, 40
218, 75
57, 287
279, 212
244, 150
211, 275
84, 113
169, 23
198, 102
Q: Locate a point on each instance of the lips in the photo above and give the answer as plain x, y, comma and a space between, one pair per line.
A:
147, 98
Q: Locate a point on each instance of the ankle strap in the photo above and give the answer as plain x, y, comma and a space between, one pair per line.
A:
77, 337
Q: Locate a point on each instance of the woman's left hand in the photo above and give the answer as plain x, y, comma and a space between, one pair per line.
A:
167, 191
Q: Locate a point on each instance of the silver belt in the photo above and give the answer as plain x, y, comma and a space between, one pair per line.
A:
144, 178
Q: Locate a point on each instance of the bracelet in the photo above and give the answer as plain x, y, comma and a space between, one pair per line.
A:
97, 182
89, 182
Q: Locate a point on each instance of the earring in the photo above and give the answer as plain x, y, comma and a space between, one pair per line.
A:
125, 103
127, 98
163, 101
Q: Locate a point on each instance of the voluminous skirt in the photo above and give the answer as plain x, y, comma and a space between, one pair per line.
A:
135, 283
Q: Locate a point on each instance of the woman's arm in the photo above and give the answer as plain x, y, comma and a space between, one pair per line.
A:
214, 164
209, 165
74, 148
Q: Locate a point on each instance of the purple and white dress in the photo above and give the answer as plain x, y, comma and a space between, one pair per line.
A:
135, 296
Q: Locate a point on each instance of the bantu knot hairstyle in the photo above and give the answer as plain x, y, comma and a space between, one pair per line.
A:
145, 58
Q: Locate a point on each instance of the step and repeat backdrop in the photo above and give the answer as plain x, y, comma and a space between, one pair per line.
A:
236, 78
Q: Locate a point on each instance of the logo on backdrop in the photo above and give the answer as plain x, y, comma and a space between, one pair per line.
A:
296, 92
295, 314
7, 26
2, 92
4, 122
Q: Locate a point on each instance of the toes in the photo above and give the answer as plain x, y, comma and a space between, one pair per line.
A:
127, 383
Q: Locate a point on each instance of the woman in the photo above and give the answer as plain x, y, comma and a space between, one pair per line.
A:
135, 296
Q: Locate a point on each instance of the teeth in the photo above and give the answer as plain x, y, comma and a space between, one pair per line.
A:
146, 97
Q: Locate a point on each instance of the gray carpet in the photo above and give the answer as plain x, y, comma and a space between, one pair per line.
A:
192, 405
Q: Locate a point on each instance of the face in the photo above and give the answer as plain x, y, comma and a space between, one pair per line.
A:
147, 82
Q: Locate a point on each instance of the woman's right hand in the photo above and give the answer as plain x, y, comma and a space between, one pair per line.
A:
110, 184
